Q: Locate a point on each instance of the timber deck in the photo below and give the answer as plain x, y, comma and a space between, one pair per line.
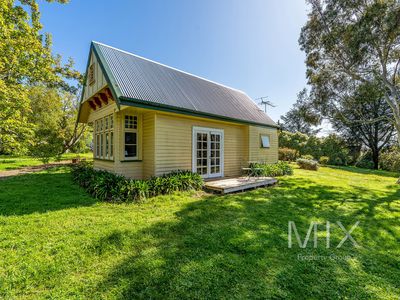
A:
238, 184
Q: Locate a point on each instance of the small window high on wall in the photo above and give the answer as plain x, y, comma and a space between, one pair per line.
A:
131, 137
91, 71
265, 143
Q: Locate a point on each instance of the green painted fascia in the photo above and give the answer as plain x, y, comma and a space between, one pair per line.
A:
184, 111
84, 82
112, 83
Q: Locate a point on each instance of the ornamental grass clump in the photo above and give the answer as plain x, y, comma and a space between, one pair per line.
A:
107, 186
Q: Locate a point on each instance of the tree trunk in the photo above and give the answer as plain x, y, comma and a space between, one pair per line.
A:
397, 125
375, 159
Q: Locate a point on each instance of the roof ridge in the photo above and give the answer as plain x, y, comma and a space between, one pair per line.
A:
161, 64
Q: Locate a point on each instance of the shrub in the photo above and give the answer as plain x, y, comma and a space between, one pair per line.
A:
332, 146
323, 160
287, 154
336, 149
365, 161
279, 169
307, 164
390, 160
296, 141
307, 156
108, 186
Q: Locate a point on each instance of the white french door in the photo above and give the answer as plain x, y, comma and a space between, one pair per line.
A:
208, 152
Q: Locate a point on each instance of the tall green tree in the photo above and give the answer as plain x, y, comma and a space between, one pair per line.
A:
352, 42
302, 117
54, 113
363, 117
25, 60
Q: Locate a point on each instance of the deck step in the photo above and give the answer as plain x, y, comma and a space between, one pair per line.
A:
231, 185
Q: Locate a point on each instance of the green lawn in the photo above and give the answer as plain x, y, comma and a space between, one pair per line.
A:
8, 162
57, 242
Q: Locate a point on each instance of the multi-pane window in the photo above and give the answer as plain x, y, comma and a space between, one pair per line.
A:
130, 122
131, 136
104, 135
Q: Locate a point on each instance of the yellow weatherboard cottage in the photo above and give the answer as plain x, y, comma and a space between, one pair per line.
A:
149, 119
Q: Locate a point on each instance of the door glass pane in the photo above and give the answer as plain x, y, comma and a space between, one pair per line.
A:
215, 153
208, 153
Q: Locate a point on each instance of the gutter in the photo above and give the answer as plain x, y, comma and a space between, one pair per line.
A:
184, 111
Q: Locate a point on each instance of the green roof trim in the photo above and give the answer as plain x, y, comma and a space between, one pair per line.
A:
84, 82
167, 108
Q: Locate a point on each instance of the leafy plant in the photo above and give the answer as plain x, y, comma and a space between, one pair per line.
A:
323, 160
365, 160
287, 154
307, 156
307, 164
279, 169
390, 160
108, 186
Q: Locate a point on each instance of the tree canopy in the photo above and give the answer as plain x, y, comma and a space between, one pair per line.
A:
302, 117
26, 60
352, 42
364, 118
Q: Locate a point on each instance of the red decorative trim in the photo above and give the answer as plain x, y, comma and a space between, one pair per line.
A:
92, 105
108, 93
104, 97
97, 100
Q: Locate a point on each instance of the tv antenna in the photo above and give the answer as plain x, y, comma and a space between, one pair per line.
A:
264, 101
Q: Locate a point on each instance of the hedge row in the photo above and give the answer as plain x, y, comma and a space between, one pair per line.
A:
108, 186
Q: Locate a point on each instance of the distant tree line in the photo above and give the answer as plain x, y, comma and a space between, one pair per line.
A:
353, 62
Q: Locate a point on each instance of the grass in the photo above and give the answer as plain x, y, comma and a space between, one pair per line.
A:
8, 162
57, 242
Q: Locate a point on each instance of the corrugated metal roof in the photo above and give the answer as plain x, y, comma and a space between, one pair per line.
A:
142, 79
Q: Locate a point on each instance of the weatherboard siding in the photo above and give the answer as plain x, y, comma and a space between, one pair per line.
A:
165, 143
100, 81
133, 168
148, 146
256, 153
173, 143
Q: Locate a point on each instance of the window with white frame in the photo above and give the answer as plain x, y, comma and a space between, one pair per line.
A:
104, 138
265, 143
131, 137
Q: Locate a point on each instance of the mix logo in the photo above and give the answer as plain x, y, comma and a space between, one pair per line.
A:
314, 227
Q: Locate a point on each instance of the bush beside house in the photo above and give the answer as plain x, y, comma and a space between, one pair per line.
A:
108, 186
271, 170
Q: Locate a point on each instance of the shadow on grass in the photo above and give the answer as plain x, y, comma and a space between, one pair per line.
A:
236, 246
41, 192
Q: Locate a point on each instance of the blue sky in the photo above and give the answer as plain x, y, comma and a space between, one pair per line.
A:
247, 44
